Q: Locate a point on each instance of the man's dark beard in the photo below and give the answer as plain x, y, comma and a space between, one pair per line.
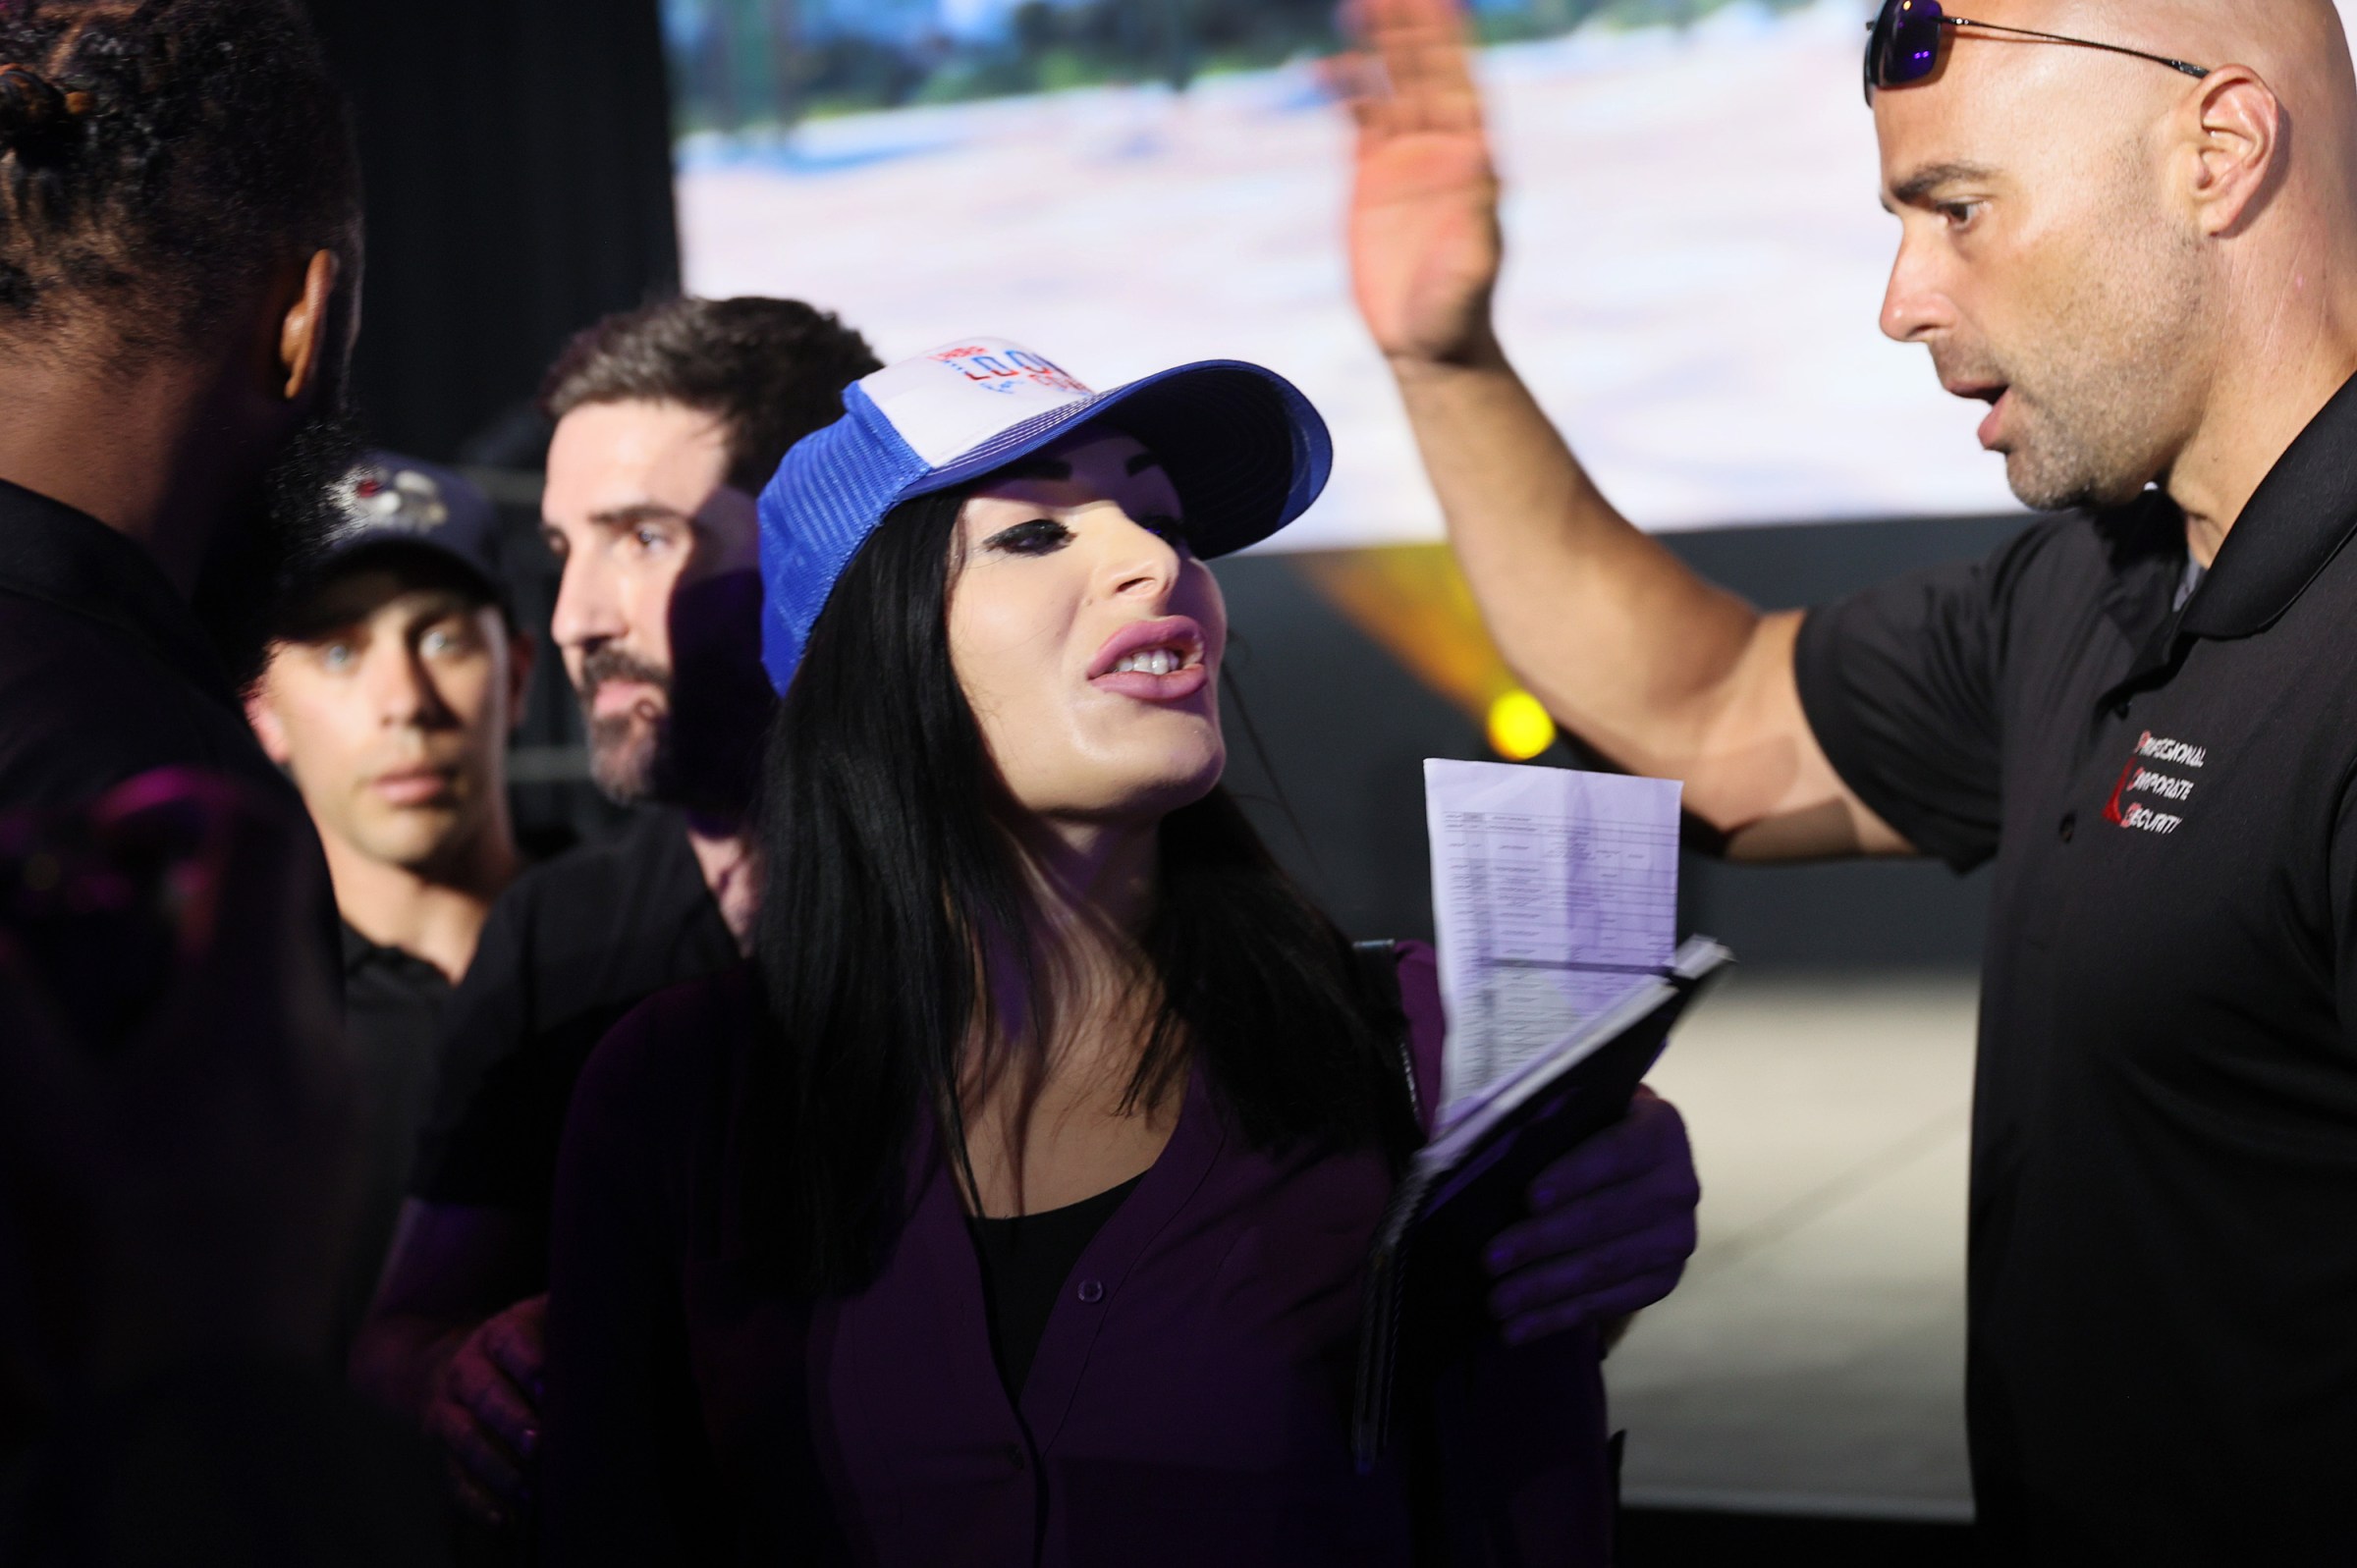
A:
620, 774
249, 569
705, 752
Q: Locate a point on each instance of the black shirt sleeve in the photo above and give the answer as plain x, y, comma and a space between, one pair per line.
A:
1900, 684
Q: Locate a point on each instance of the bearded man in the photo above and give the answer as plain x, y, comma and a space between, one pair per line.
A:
669, 420
2129, 227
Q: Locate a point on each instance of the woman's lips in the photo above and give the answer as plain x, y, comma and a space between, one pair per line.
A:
1176, 686
1179, 635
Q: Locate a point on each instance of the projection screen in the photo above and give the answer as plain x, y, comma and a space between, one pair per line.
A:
1696, 254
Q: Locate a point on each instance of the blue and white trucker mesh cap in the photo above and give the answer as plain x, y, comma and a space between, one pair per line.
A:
1244, 449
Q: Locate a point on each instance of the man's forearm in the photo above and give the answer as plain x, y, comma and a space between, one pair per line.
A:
1655, 668
398, 1355
1621, 641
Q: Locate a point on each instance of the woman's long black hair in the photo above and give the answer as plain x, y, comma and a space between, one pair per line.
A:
891, 867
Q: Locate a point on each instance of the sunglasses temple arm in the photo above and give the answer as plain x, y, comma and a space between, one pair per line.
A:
2188, 67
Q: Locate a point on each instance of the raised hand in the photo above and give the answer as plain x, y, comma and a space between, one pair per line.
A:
1611, 1226
1425, 245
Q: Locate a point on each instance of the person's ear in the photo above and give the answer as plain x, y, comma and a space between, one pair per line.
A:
2237, 144
263, 717
522, 650
302, 345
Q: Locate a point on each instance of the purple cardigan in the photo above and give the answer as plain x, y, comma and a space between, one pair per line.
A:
1189, 1403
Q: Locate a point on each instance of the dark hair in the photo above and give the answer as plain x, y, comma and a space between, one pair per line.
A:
891, 872
772, 370
157, 157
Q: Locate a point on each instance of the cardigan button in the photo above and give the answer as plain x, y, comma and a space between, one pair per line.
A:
1092, 1291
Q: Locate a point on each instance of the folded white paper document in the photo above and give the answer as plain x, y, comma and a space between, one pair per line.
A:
1554, 891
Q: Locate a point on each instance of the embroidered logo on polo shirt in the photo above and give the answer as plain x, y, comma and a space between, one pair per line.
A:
2143, 778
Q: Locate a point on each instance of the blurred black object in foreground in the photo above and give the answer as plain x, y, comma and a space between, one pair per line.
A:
176, 1198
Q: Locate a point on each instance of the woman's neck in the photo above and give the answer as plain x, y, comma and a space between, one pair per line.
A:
1091, 889
1092, 883
1048, 1114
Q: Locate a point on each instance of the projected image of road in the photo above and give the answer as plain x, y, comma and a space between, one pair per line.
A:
1697, 255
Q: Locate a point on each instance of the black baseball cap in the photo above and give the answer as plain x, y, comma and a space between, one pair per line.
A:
391, 503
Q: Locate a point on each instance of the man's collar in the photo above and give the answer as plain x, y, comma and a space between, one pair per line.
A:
2144, 544
360, 952
2297, 520
50, 552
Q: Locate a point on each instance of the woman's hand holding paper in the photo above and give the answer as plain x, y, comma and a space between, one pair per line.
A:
1611, 1226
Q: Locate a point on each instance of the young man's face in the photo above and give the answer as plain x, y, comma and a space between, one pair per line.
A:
393, 713
659, 611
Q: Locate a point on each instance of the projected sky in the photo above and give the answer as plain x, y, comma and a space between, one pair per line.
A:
1697, 255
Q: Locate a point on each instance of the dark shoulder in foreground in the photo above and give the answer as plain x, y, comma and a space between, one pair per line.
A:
666, 1068
88, 707
104, 671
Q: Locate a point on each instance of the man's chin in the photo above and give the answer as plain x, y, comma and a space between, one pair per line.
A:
624, 772
2044, 490
422, 841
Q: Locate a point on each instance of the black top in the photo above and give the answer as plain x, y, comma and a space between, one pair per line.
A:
105, 675
569, 949
104, 671
2163, 1268
1025, 1262
393, 1003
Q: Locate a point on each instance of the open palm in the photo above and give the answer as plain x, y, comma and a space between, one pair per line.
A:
1424, 238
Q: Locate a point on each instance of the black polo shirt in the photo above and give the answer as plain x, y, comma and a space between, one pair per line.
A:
393, 1004
569, 949
2164, 1219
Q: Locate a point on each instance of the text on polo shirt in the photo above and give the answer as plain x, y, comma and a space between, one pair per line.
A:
2138, 779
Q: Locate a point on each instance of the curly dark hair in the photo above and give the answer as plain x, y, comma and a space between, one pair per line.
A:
157, 157
772, 370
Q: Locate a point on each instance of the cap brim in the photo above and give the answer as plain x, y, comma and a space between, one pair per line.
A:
1244, 449
360, 551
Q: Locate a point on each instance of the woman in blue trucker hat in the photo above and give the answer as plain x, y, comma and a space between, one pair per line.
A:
1012, 1208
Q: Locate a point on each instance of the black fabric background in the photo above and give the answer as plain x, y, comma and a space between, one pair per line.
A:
517, 159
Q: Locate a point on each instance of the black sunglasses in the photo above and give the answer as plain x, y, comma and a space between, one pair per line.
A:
1904, 41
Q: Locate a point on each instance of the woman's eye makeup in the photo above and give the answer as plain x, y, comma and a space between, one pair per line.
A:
1034, 538
1042, 535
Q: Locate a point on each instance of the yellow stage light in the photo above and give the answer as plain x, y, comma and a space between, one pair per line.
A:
1520, 728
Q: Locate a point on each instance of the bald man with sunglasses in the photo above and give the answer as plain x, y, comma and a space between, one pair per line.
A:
2130, 228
